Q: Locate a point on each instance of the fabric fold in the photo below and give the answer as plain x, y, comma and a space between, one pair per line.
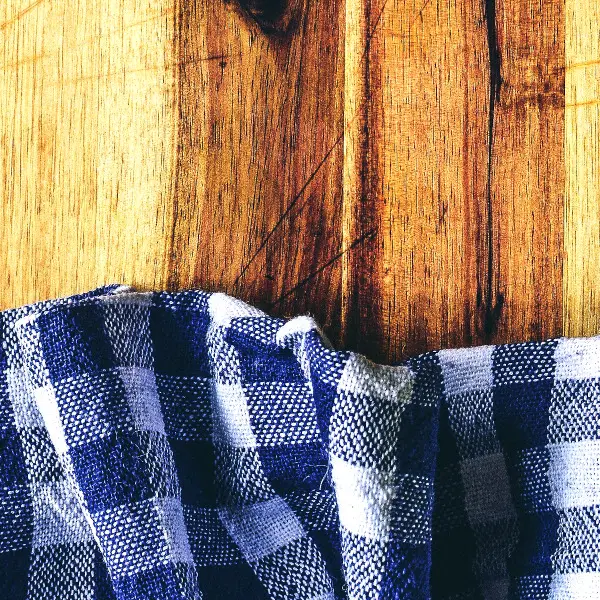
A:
186, 445
90, 370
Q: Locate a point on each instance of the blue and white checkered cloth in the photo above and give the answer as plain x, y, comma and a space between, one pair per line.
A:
185, 445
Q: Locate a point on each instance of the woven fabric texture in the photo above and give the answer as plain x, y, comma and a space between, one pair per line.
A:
185, 445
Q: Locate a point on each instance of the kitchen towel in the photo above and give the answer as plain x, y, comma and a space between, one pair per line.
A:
186, 445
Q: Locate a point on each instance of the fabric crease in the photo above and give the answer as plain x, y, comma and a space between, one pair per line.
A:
186, 445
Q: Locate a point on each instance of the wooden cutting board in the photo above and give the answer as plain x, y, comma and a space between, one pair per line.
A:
415, 173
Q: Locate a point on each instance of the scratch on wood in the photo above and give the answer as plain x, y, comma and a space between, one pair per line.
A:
359, 240
380, 14
88, 40
289, 208
20, 14
371, 33
587, 103
425, 5
418, 14
579, 65
337, 141
491, 313
165, 67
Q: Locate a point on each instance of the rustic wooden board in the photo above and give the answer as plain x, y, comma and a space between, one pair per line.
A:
88, 129
258, 192
415, 173
581, 288
425, 178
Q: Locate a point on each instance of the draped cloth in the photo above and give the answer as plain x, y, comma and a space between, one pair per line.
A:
186, 445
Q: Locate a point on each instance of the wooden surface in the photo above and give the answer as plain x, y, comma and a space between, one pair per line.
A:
416, 174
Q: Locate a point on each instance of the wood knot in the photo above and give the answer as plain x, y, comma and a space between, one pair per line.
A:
273, 16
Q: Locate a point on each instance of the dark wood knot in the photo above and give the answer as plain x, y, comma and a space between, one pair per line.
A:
273, 16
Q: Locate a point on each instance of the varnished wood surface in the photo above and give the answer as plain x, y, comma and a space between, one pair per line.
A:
416, 174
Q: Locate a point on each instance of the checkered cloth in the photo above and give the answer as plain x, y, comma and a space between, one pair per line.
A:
185, 445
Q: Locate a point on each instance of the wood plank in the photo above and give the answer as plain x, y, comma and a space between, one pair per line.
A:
581, 314
87, 126
258, 193
426, 101
394, 167
462, 136
528, 171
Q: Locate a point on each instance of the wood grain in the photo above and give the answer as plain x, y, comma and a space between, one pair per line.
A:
581, 288
528, 169
464, 175
259, 155
424, 182
87, 125
415, 173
